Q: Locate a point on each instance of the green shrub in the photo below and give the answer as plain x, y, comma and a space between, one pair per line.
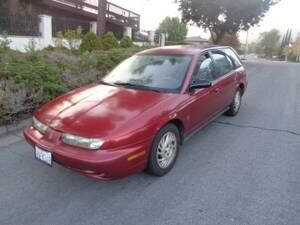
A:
5, 107
107, 60
169, 43
87, 61
39, 75
4, 42
109, 41
31, 51
90, 42
5, 116
49, 48
25, 83
126, 42
59, 40
15, 99
72, 39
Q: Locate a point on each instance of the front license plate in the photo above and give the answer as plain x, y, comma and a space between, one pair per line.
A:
44, 156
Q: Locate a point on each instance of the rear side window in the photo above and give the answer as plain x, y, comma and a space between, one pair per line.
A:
223, 65
204, 69
233, 56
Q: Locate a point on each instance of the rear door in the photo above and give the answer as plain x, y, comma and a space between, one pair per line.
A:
238, 66
202, 103
225, 78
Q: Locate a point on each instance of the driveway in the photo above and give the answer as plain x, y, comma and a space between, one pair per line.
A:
237, 171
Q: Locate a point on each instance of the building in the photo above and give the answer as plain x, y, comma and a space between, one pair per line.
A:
20, 17
196, 40
71, 13
40, 21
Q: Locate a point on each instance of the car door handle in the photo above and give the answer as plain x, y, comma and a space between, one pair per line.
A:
217, 90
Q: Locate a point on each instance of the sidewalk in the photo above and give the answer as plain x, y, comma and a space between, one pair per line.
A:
12, 133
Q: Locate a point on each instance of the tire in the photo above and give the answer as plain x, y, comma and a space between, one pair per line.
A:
236, 104
162, 158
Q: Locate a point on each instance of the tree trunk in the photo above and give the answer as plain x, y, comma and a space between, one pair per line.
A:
101, 23
216, 36
212, 36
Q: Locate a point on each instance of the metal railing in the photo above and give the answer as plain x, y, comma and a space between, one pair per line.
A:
114, 13
21, 23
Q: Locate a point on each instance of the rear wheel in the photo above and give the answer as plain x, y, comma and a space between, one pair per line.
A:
236, 104
164, 151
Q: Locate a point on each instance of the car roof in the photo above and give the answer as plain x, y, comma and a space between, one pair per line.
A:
181, 49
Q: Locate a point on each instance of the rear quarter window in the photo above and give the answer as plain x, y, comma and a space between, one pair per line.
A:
237, 62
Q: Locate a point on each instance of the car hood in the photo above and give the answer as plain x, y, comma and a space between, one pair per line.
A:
98, 110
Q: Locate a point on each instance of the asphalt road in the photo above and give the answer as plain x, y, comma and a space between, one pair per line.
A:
236, 171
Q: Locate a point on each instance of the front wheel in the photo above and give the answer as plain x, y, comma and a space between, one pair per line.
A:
164, 151
236, 104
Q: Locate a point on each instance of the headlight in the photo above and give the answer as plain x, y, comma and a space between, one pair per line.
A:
81, 142
39, 126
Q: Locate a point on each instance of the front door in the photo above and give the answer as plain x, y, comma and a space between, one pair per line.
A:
203, 102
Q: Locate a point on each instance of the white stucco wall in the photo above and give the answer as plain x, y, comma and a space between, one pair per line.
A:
141, 44
20, 43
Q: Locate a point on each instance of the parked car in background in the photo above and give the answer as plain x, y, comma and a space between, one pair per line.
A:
141, 112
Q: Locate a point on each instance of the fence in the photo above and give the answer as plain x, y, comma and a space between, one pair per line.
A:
44, 40
114, 13
61, 24
20, 23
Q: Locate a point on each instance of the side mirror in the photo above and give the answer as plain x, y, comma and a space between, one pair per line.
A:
200, 84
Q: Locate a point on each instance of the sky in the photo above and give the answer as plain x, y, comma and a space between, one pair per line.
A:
282, 16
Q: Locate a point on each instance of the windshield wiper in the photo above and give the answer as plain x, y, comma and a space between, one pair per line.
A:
127, 84
106, 83
142, 87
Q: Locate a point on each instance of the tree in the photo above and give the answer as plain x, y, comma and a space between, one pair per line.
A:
224, 16
231, 40
126, 42
175, 29
296, 49
292, 51
90, 42
286, 40
109, 41
269, 42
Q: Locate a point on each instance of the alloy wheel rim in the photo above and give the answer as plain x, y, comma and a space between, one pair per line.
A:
237, 101
166, 150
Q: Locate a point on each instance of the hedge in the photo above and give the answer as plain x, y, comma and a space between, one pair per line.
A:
28, 80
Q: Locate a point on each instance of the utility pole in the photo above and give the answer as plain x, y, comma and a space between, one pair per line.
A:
101, 21
247, 44
297, 44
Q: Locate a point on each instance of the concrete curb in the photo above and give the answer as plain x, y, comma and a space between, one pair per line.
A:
4, 130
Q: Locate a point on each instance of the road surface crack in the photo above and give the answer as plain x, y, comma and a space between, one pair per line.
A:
259, 128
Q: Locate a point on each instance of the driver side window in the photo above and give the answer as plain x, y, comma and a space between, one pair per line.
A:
203, 70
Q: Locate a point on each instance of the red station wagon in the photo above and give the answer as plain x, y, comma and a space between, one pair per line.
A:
136, 118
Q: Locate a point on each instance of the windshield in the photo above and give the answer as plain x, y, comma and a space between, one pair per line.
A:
157, 72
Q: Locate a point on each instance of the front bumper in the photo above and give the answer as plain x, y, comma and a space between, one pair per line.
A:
102, 164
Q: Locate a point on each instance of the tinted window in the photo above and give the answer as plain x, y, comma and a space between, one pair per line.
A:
165, 72
231, 62
223, 66
233, 56
204, 69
